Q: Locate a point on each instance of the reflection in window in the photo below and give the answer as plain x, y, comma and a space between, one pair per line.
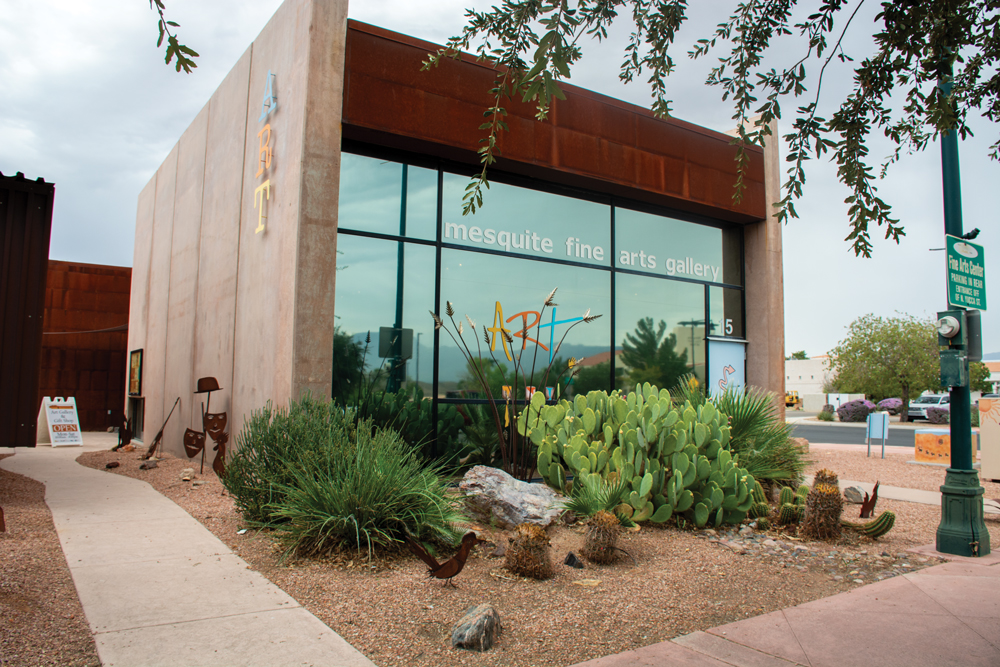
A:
529, 222
503, 293
660, 326
371, 193
726, 312
370, 298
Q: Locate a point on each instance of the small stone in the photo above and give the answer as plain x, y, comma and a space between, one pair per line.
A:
886, 554
197, 483
588, 583
148, 465
854, 494
746, 530
711, 533
478, 630
801, 547
187, 474
573, 561
770, 543
112, 464
858, 581
838, 578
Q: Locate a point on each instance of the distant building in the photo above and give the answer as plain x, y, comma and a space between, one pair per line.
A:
807, 376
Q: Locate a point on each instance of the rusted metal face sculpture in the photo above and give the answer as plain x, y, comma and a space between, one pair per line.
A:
213, 425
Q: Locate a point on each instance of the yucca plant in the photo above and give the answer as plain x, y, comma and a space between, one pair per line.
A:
760, 437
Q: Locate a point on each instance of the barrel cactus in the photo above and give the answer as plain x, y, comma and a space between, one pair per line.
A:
789, 513
601, 540
787, 495
825, 476
676, 460
528, 553
822, 517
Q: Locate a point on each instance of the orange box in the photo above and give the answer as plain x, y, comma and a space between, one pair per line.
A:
934, 446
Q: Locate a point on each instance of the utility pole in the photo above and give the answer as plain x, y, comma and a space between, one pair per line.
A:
962, 530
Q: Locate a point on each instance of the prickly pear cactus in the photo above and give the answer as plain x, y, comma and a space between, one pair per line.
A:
676, 459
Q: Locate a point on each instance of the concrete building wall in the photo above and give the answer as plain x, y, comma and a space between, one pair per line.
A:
213, 295
807, 376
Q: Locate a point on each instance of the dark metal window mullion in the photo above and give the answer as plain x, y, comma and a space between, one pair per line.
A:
708, 332
614, 304
437, 309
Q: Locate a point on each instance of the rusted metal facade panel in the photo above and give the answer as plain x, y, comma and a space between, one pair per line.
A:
588, 141
85, 339
25, 227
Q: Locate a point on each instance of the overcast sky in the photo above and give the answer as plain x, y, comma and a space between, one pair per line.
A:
88, 104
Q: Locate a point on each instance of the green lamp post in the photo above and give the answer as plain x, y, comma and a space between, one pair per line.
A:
962, 531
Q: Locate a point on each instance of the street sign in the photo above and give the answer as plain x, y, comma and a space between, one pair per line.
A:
966, 274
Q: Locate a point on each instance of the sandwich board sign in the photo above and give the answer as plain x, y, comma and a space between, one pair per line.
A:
58, 422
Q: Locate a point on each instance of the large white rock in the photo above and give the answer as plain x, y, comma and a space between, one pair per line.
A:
494, 496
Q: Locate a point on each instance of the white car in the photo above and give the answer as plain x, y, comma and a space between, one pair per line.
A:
918, 406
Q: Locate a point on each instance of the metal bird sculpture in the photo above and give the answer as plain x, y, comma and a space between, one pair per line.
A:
450, 567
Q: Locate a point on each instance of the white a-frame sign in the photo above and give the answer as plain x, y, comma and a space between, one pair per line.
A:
58, 422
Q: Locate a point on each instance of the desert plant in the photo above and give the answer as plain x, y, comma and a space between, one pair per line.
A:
975, 415
760, 437
676, 460
515, 452
825, 476
855, 411
789, 513
595, 494
824, 505
528, 553
825, 416
938, 415
891, 405
787, 495
273, 443
758, 510
763, 523
601, 539
873, 529
372, 492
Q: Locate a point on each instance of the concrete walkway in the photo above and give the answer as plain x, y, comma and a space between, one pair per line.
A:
944, 615
157, 587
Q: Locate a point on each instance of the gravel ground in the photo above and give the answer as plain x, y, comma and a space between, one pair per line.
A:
675, 581
41, 620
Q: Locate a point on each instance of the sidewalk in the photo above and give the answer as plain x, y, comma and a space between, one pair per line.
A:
157, 587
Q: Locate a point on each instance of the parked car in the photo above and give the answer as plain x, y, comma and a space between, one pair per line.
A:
918, 406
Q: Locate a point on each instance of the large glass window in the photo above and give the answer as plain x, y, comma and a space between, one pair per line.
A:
372, 195
660, 330
662, 287
507, 294
383, 297
529, 222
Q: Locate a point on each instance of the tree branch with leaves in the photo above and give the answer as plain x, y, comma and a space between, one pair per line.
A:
175, 49
534, 44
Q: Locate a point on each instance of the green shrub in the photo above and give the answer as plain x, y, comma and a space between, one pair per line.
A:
975, 415
825, 416
272, 444
759, 437
375, 491
408, 413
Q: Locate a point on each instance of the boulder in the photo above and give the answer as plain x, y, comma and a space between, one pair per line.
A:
478, 629
802, 444
854, 494
494, 496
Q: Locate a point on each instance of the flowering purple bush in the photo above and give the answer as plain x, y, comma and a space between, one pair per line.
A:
855, 411
938, 415
891, 405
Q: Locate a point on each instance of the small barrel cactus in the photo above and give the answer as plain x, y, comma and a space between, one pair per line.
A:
822, 517
601, 538
763, 523
787, 495
758, 510
825, 476
788, 514
528, 554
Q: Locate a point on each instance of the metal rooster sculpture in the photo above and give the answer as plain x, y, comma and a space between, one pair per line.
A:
450, 567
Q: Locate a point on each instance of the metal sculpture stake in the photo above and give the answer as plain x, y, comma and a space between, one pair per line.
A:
159, 435
194, 442
215, 427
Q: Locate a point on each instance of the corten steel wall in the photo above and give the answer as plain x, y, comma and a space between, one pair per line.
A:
210, 297
91, 367
25, 226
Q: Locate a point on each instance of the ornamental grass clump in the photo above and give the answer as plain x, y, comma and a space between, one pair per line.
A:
273, 443
372, 493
